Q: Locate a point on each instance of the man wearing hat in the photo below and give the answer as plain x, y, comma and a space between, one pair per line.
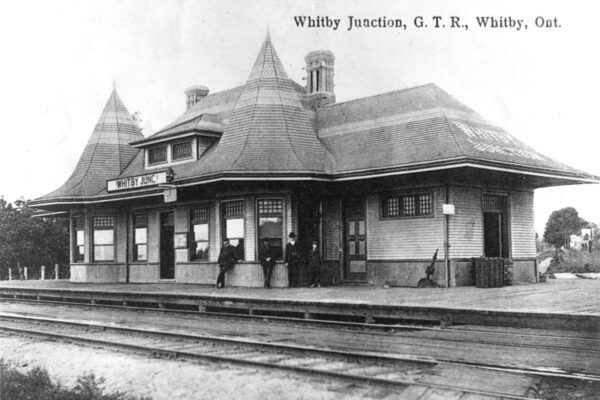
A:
293, 259
227, 259
314, 264
267, 257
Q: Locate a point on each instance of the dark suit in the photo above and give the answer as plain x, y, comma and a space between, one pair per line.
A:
314, 264
227, 260
267, 252
293, 259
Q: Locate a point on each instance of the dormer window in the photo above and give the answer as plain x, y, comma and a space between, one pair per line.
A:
182, 150
157, 155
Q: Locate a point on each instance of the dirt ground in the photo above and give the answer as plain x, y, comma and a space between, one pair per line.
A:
173, 380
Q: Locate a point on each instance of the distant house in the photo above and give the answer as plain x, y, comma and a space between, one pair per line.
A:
581, 241
381, 182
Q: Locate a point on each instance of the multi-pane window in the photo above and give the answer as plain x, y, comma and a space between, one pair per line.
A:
104, 238
270, 223
157, 155
182, 150
78, 239
199, 222
233, 224
140, 237
420, 204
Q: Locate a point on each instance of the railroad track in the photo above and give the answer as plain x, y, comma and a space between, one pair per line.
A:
479, 334
402, 372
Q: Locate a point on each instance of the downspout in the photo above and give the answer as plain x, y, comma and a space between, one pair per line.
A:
447, 234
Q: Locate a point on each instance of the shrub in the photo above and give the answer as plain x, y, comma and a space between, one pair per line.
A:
36, 384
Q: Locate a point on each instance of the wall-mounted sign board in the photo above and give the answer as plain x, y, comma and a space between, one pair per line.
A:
135, 182
448, 209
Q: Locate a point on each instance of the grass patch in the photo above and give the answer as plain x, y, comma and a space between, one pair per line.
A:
575, 261
36, 384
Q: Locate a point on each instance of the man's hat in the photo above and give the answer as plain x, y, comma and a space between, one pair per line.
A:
292, 235
315, 241
226, 239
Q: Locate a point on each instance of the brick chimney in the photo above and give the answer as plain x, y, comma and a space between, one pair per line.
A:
319, 77
194, 94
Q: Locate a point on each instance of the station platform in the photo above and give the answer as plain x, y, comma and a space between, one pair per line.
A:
556, 304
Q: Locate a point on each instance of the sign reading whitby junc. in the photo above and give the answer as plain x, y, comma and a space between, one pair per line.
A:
134, 182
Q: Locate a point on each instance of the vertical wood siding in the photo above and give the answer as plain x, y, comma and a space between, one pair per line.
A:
405, 238
331, 217
153, 236
182, 225
87, 237
522, 227
293, 216
217, 236
250, 229
121, 237
214, 232
466, 225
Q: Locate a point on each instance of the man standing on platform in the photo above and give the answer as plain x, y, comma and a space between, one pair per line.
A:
227, 259
267, 260
314, 264
292, 260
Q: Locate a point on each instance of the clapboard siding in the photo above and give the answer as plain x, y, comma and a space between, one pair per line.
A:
331, 222
405, 238
522, 227
466, 225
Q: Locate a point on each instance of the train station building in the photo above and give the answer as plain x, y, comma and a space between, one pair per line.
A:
381, 183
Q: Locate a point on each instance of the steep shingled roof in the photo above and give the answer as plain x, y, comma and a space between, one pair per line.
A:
268, 128
267, 131
106, 154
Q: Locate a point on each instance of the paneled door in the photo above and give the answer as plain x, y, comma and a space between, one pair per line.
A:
355, 240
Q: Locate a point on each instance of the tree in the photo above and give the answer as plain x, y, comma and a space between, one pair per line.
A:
27, 241
561, 225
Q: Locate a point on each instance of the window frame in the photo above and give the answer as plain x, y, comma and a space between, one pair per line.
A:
135, 226
193, 241
174, 158
75, 228
242, 216
259, 239
415, 195
151, 149
93, 241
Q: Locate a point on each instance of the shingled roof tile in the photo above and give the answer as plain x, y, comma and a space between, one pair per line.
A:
106, 154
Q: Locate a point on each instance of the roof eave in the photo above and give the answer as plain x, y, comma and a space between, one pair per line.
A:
554, 178
177, 135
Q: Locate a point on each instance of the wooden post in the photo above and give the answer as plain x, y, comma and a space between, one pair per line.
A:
43, 272
25, 272
56, 269
10, 274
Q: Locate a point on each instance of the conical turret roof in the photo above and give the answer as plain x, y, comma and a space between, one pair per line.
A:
106, 154
268, 129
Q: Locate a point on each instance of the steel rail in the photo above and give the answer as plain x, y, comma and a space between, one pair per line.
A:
317, 352
338, 324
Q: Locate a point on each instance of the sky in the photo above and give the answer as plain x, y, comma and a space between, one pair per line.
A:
60, 60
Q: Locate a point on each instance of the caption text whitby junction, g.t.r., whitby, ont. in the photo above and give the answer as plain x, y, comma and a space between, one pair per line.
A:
423, 22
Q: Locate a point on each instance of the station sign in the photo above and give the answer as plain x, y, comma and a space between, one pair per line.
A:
448, 209
135, 182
